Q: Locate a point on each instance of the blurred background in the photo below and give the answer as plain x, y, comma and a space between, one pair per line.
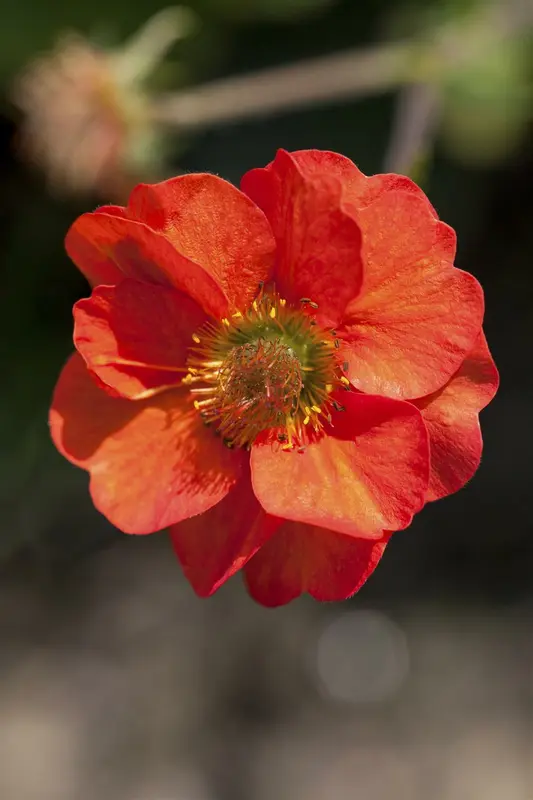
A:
117, 683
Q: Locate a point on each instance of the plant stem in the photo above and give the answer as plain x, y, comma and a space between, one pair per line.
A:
351, 74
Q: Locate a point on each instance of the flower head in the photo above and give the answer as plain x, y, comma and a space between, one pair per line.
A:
86, 111
283, 375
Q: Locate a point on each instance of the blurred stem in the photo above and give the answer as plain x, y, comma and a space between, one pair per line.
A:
415, 124
352, 74
149, 45
355, 73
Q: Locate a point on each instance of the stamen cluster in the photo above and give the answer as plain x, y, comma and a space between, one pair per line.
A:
271, 368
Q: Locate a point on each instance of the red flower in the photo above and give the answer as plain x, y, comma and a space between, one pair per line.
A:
267, 372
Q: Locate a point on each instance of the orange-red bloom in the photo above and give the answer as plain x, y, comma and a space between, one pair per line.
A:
281, 375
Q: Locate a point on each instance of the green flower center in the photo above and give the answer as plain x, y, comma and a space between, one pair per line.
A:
270, 368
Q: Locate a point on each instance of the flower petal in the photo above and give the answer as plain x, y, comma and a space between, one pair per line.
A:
136, 336
320, 162
213, 224
108, 247
302, 558
318, 242
417, 316
369, 473
152, 463
359, 190
95, 264
452, 419
211, 547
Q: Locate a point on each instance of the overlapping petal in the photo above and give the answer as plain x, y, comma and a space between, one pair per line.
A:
98, 266
152, 463
417, 316
213, 546
369, 473
213, 224
108, 247
358, 189
318, 243
302, 558
135, 336
452, 419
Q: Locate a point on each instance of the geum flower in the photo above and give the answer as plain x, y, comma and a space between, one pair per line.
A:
282, 376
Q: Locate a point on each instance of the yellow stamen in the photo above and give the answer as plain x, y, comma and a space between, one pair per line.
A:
199, 404
126, 362
345, 380
153, 392
196, 338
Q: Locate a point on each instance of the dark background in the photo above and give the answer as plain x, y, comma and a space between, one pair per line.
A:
117, 682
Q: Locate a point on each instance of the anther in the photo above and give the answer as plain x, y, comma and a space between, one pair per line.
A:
345, 380
313, 305
196, 338
345, 366
272, 312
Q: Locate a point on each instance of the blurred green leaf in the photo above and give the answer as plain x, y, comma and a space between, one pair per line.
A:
488, 103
